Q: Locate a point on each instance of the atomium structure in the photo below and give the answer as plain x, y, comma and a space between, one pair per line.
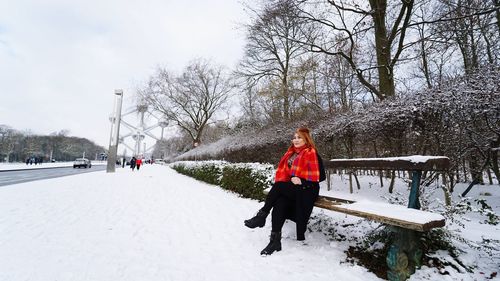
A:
142, 129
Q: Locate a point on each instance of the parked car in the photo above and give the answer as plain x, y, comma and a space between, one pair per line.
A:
82, 162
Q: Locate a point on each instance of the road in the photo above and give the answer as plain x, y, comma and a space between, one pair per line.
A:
13, 177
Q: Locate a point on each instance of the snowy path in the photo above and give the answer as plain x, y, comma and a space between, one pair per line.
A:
149, 225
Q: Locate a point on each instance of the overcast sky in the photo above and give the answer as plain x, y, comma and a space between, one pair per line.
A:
61, 60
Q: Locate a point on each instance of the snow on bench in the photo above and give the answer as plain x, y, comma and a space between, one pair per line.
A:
408, 163
391, 214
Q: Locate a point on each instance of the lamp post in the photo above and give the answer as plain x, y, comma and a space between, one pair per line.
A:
115, 131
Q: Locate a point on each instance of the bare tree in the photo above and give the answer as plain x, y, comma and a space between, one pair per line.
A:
470, 25
250, 104
272, 48
435, 55
351, 22
192, 99
305, 79
16, 146
169, 148
8, 138
322, 84
339, 83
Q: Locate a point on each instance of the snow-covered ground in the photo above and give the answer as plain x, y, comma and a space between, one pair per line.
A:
23, 166
469, 232
155, 224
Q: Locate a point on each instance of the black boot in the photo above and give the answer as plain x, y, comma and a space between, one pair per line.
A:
274, 244
259, 219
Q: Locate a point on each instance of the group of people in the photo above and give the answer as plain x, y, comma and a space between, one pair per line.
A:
135, 163
34, 160
294, 191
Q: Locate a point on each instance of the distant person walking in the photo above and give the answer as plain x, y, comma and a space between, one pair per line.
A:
132, 163
138, 163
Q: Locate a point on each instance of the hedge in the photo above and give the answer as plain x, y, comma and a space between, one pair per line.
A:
247, 179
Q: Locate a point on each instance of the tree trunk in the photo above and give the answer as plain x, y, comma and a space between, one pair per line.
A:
464, 166
286, 100
494, 160
475, 171
491, 59
452, 184
447, 195
383, 51
381, 178
391, 185
494, 163
473, 45
497, 3
490, 179
350, 182
357, 181
425, 65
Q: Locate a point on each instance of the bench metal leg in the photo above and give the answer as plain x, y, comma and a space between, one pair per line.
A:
414, 201
404, 255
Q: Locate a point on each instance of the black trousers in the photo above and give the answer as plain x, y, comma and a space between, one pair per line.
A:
290, 201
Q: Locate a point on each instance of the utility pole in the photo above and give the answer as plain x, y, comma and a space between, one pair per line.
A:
115, 131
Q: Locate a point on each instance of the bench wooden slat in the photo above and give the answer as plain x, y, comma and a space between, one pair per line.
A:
336, 199
346, 208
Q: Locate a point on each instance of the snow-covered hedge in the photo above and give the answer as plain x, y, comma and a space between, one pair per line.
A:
207, 171
247, 179
459, 120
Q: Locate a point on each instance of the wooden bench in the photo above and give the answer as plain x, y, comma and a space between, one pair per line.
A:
405, 252
398, 215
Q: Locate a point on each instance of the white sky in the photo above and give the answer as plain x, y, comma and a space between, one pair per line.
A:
60, 61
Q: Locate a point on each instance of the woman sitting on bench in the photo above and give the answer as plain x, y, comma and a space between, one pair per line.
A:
295, 189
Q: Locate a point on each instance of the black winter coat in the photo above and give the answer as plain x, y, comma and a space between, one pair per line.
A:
305, 196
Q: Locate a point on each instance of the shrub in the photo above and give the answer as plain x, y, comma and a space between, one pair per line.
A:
208, 172
248, 180
245, 181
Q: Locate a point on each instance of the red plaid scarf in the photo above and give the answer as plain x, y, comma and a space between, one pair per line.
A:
305, 165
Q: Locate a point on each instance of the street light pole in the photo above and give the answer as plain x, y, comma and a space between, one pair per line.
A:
115, 131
